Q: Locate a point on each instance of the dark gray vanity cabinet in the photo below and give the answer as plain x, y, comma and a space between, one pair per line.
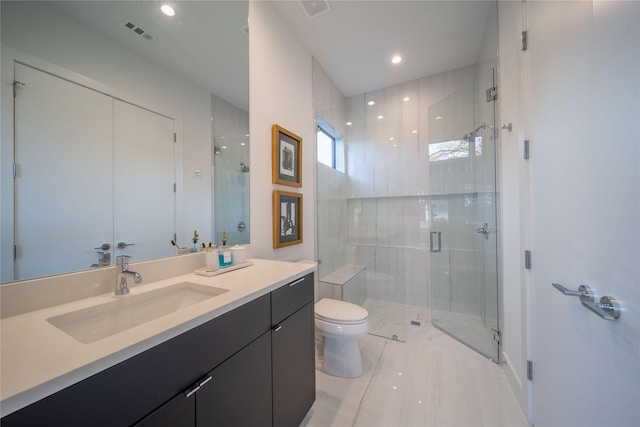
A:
252, 366
293, 352
127, 392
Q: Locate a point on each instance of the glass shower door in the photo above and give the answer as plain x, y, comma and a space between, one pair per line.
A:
462, 216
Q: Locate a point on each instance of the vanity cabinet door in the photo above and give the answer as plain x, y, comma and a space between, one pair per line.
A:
239, 392
179, 411
294, 376
293, 351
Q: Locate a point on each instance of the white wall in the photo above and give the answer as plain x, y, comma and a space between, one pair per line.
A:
513, 170
280, 87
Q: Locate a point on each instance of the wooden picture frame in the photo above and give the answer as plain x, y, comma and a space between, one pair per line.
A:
287, 219
286, 157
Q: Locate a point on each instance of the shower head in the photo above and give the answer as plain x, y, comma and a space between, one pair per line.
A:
474, 132
244, 168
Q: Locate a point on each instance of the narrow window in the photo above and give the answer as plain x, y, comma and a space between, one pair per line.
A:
330, 146
326, 149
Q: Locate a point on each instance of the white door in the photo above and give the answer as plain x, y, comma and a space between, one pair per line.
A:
144, 211
64, 181
584, 110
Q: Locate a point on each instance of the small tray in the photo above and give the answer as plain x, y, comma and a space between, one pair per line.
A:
203, 271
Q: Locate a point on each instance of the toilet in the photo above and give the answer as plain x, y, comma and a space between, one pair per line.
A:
339, 324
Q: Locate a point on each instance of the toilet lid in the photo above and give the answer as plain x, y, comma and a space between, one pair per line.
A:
331, 310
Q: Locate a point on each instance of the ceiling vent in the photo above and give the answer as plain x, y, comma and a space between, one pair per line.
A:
138, 30
315, 8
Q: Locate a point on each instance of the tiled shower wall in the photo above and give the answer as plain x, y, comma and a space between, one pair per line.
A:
388, 187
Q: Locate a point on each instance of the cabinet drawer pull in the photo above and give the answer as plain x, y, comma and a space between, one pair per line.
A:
189, 392
206, 380
277, 328
297, 281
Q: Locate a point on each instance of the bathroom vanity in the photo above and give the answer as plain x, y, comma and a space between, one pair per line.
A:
242, 357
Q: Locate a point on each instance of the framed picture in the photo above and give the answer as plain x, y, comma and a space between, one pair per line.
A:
286, 157
287, 219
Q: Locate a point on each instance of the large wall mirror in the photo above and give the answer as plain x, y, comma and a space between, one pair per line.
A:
123, 129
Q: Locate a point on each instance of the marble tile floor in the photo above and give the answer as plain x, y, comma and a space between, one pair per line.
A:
431, 380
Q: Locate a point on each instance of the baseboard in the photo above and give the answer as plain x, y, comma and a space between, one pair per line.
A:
518, 385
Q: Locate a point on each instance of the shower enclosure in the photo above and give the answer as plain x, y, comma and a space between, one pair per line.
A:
462, 214
231, 196
408, 229
231, 171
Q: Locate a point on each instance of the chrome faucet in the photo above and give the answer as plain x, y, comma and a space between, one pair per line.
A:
121, 280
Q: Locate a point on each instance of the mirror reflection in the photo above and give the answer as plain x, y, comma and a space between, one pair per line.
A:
116, 113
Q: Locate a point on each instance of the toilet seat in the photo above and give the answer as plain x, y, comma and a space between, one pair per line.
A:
340, 312
341, 330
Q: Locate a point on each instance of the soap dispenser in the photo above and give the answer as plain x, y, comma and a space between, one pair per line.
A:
224, 252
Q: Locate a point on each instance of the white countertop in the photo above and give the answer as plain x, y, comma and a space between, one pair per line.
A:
38, 359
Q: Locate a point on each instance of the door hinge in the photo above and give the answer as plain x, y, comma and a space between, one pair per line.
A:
492, 93
15, 170
175, 188
15, 253
15, 87
525, 149
175, 137
529, 370
527, 259
497, 335
525, 41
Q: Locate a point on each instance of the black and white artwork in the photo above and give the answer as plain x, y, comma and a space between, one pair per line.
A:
287, 215
287, 160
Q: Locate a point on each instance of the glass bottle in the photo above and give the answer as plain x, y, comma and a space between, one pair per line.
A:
224, 252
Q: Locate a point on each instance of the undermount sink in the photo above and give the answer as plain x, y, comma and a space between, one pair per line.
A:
95, 323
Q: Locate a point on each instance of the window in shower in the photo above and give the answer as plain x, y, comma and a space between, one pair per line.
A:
326, 148
330, 146
455, 149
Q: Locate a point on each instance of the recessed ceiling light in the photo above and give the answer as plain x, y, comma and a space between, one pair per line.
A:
391, 138
396, 59
438, 117
406, 98
167, 10
371, 103
414, 131
380, 117
349, 123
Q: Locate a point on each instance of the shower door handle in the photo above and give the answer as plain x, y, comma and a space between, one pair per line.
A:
435, 237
